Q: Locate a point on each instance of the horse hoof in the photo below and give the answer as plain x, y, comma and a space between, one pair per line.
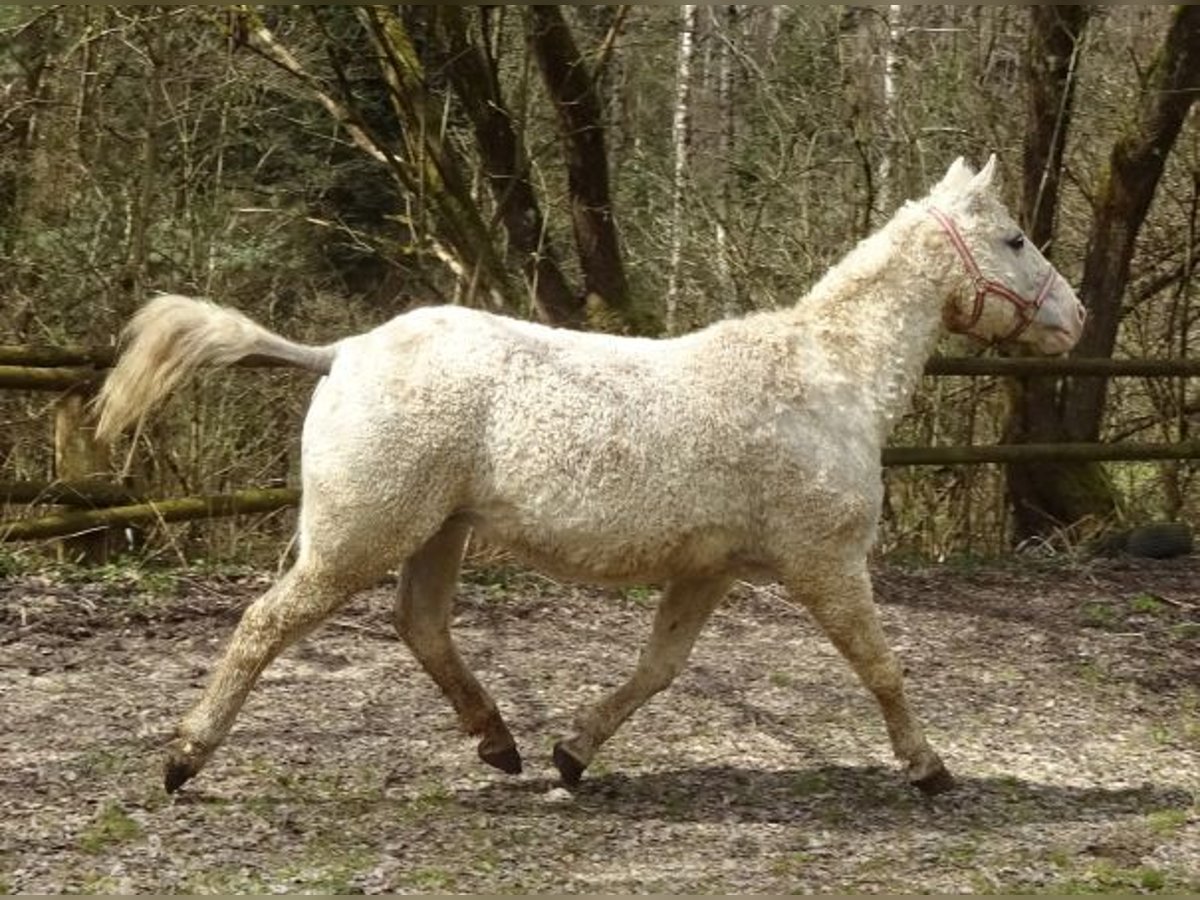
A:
938, 782
569, 768
506, 759
175, 773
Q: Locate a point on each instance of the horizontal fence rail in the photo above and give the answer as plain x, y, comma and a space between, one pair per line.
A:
62, 368
89, 492
1032, 367
99, 504
179, 509
1021, 453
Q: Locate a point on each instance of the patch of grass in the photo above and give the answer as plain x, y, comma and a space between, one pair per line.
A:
5, 885
1104, 877
99, 884
1161, 734
112, 825
224, 880
808, 784
98, 763
1099, 615
1060, 857
963, 852
781, 679
1091, 672
429, 879
791, 863
430, 799
1147, 604
1167, 821
498, 579
966, 563
326, 867
126, 572
642, 595
13, 562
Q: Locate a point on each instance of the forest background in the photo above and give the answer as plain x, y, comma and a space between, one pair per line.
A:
635, 169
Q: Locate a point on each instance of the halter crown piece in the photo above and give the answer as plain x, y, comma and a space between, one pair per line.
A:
1027, 310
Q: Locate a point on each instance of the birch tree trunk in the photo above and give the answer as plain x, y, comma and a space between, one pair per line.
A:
890, 137
681, 141
730, 302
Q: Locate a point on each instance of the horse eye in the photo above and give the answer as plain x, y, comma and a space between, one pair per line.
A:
1017, 241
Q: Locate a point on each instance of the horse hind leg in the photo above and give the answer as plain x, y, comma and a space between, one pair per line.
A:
684, 609
304, 597
422, 618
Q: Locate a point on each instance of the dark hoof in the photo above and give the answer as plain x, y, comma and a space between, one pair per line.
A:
939, 782
507, 760
175, 773
569, 768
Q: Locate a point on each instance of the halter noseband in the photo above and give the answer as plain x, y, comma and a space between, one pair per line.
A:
1027, 310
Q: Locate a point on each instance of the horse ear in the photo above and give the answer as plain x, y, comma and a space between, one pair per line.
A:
957, 175
986, 176
955, 181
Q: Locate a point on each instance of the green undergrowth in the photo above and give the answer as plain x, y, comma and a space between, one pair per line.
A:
1105, 877
110, 826
320, 867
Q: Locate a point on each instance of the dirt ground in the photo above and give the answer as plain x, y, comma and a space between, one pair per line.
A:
1064, 697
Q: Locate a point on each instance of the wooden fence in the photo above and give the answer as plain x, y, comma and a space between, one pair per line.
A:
94, 504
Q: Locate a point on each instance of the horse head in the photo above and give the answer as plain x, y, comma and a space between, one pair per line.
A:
1008, 291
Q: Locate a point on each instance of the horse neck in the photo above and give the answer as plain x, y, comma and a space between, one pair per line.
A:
878, 313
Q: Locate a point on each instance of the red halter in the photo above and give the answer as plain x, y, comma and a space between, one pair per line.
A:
1027, 310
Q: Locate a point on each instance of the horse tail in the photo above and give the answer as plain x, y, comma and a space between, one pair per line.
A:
171, 337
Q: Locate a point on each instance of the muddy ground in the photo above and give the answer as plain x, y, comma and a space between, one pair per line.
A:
1065, 697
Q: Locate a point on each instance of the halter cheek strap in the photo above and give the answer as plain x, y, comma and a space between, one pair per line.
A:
1026, 309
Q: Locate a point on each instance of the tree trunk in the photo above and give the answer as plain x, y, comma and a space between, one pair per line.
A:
1053, 496
1135, 167
506, 168
53, 163
731, 303
891, 70
572, 89
1044, 497
681, 143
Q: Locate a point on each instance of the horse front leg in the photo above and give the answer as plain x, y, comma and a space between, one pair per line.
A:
422, 618
685, 607
844, 608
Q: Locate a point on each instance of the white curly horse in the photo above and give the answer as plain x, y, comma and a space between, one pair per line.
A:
750, 449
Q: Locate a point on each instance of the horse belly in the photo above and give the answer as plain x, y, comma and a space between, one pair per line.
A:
615, 550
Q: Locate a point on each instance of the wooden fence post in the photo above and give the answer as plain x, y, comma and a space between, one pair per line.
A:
78, 456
